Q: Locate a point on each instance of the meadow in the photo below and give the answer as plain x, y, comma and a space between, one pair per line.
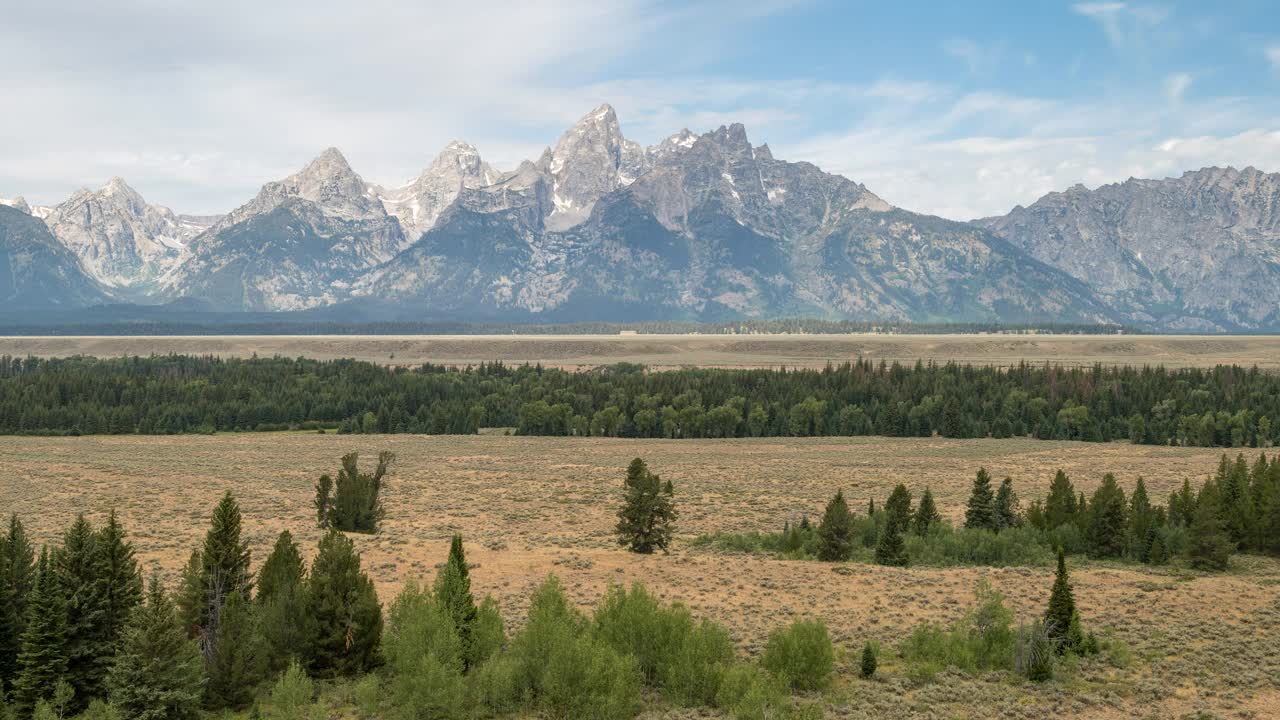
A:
529, 506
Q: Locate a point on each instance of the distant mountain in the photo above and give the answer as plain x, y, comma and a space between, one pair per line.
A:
36, 271
1196, 253
700, 227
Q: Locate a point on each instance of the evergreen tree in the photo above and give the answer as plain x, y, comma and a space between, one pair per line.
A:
79, 569
191, 601
1107, 522
324, 500
835, 532
1062, 607
224, 570
158, 673
1141, 523
926, 513
1060, 507
42, 660
981, 512
10, 638
21, 569
237, 666
647, 518
281, 604
344, 606
122, 579
890, 548
1208, 546
357, 502
898, 507
453, 592
869, 663
1006, 506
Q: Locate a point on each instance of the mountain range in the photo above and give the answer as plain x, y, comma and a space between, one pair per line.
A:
696, 227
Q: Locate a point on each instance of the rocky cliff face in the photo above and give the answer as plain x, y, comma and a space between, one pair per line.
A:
1199, 252
36, 271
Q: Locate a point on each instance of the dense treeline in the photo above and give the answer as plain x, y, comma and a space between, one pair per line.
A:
1224, 406
1237, 509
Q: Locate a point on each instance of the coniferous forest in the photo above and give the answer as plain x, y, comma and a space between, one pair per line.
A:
1226, 406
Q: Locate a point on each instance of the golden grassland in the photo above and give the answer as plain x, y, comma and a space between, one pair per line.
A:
671, 351
532, 506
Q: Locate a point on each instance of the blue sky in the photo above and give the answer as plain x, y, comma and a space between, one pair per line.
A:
960, 109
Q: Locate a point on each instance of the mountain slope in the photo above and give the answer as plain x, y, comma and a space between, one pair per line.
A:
36, 271
1198, 252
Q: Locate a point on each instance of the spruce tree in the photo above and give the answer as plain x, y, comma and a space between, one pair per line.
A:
453, 592
22, 568
647, 518
869, 663
9, 634
78, 567
890, 548
926, 513
1141, 523
344, 607
1108, 524
122, 579
1208, 545
224, 570
357, 502
1006, 506
42, 660
898, 507
324, 500
835, 532
981, 512
281, 604
1062, 607
237, 665
158, 674
1060, 507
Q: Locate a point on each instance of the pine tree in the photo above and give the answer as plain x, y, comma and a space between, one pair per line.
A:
191, 598
1062, 606
1060, 507
1006, 506
647, 518
1141, 523
22, 569
224, 570
926, 513
357, 502
281, 604
869, 663
122, 579
898, 507
835, 532
79, 569
158, 673
324, 500
9, 634
453, 592
237, 666
890, 548
1108, 524
344, 606
981, 511
42, 661
1208, 546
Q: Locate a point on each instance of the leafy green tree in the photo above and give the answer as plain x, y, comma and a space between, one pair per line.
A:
1208, 545
158, 673
282, 604
343, 604
835, 532
453, 592
1060, 507
801, 655
1006, 506
42, 661
647, 519
1062, 606
1107, 530
926, 513
981, 511
890, 547
898, 507
237, 665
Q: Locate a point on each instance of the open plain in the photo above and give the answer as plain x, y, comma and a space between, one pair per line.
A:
672, 351
532, 506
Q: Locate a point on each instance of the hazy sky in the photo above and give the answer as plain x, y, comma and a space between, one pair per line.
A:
961, 109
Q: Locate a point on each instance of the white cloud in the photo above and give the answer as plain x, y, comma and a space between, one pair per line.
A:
1175, 86
1273, 56
1126, 25
977, 58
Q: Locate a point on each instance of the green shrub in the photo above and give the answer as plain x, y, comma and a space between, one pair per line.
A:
692, 676
291, 698
747, 692
1034, 653
801, 655
585, 679
944, 546
424, 654
367, 696
634, 623
488, 634
495, 685
982, 640
97, 710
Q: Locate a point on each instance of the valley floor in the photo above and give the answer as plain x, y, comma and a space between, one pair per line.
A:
532, 506
674, 351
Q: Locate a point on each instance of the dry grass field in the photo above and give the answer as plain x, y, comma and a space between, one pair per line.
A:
670, 351
533, 506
